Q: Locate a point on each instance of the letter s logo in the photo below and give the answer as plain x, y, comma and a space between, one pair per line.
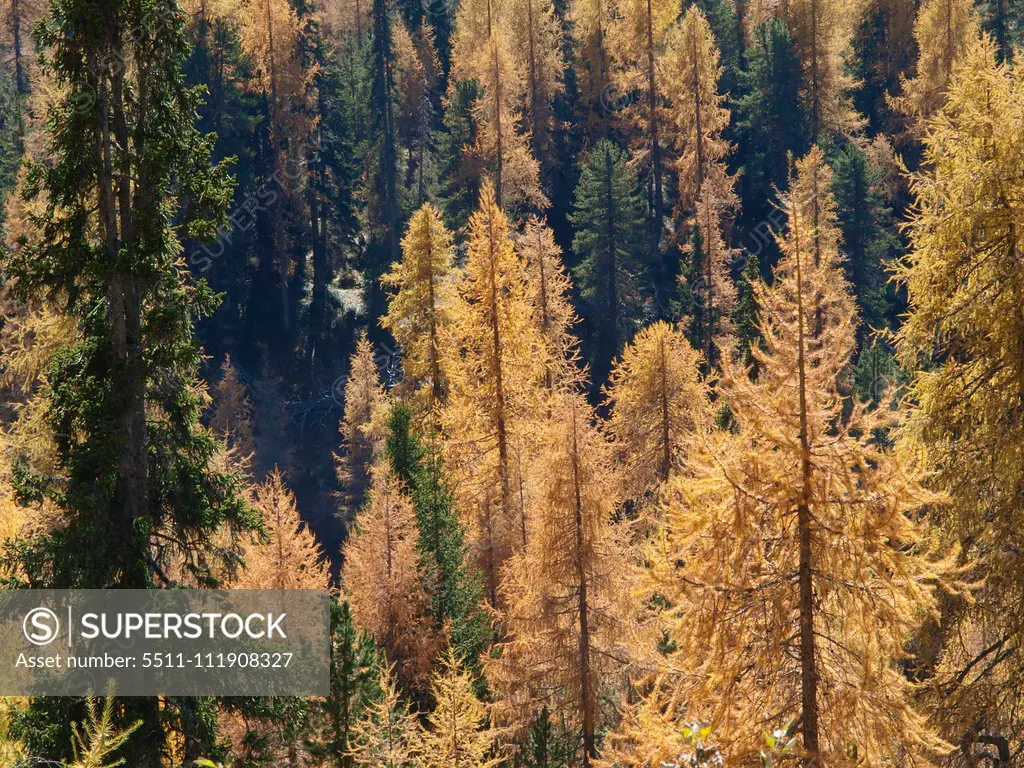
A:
41, 626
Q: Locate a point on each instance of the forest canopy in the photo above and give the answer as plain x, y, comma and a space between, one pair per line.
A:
644, 379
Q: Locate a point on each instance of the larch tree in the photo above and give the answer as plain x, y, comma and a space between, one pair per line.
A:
483, 54
536, 32
608, 217
381, 580
420, 310
639, 39
270, 33
386, 735
791, 559
550, 290
657, 403
232, 410
944, 31
495, 363
289, 556
567, 614
458, 731
822, 31
698, 114
962, 337
361, 421
706, 284
415, 64
591, 22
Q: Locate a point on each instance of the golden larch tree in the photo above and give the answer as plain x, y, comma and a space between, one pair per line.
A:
709, 283
458, 730
791, 559
657, 402
536, 32
550, 289
944, 31
567, 593
289, 556
419, 312
638, 39
361, 427
232, 410
698, 113
822, 31
591, 22
495, 363
482, 52
381, 580
386, 734
962, 336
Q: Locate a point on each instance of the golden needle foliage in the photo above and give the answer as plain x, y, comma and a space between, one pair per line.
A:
944, 30
459, 732
657, 403
791, 556
482, 52
232, 411
567, 592
381, 580
419, 312
550, 289
495, 362
290, 556
536, 33
698, 114
963, 334
361, 427
387, 734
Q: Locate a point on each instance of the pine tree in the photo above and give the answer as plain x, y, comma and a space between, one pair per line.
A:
566, 615
495, 362
354, 676
657, 403
483, 53
698, 114
944, 30
791, 558
98, 739
381, 580
420, 310
290, 556
551, 294
746, 316
387, 733
608, 217
451, 584
770, 119
961, 338
638, 39
867, 223
120, 470
385, 212
459, 733
232, 412
360, 425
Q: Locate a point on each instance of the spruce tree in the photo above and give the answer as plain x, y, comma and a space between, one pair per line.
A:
608, 216
128, 175
867, 225
452, 584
